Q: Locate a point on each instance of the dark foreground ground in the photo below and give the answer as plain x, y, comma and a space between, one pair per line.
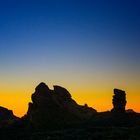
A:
94, 133
102, 126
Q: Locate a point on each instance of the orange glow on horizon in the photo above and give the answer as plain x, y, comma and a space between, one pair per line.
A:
96, 99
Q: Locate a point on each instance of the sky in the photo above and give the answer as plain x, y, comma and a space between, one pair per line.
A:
89, 47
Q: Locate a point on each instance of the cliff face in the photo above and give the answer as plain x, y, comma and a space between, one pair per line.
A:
56, 107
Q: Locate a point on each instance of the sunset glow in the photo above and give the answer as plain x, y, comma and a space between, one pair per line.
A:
84, 46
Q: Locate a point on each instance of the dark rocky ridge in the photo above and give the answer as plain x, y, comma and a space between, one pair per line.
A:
7, 117
56, 107
6, 114
53, 114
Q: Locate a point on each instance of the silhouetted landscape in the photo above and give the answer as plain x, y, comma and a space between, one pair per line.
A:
90, 49
53, 114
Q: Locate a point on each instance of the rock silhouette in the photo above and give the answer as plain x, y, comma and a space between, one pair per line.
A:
119, 101
6, 114
53, 114
56, 107
6, 117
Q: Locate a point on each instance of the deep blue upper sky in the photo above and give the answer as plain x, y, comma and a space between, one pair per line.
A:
78, 34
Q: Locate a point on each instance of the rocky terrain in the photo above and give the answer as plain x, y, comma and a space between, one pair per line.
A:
53, 114
56, 108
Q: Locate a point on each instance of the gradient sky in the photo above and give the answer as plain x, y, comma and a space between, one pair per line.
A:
86, 46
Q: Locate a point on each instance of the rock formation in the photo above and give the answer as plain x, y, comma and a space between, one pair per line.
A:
6, 114
55, 107
6, 117
119, 101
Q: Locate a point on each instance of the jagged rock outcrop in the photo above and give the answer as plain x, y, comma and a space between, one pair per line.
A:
6, 116
55, 107
119, 101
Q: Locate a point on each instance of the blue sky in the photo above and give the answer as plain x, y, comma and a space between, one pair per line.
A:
70, 33
70, 38
29, 28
